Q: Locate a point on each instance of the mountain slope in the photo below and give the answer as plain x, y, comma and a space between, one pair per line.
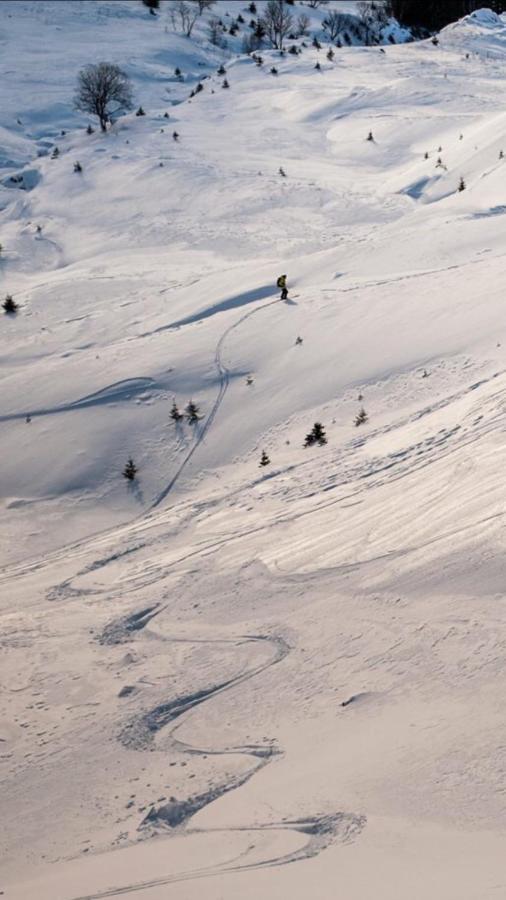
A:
255, 667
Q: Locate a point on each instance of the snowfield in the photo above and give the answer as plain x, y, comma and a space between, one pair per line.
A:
220, 669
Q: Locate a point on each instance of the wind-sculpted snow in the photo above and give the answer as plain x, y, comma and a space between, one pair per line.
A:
224, 668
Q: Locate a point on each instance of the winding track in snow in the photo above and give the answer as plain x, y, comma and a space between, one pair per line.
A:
224, 376
139, 734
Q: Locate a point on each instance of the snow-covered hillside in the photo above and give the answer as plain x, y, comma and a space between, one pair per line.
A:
222, 668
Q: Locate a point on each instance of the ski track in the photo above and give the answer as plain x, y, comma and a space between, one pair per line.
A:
140, 733
224, 376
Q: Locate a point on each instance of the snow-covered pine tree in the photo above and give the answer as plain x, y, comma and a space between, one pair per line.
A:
264, 459
140, 112
462, 184
361, 418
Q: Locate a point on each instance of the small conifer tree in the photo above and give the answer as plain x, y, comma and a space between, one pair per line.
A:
274, 71
78, 167
264, 459
175, 135
370, 136
130, 470
222, 70
462, 184
316, 436
9, 305
361, 418
501, 154
90, 130
426, 156
192, 413
55, 154
175, 414
317, 66
330, 54
225, 83
140, 112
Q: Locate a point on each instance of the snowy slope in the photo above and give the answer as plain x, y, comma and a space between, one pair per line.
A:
225, 669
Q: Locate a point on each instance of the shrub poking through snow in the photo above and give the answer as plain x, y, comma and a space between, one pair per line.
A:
222, 70
177, 72
225, 83
462, 185
501, 154
435, 40
192, 413
140, 112
264, 459
330, 54
175, 414
166, 115
9, 305
130, 470
317, 66
361, 418
298, 340
78, 167
274, 71
370, 136
282, 171
293, 50
175, 135
316, 43
316, 436
249, 379
426, 155
90, 130
55, 154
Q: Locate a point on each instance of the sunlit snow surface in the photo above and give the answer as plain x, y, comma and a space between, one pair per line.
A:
223, 669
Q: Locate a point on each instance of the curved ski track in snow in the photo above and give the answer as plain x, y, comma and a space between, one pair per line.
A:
320, 830
224, 375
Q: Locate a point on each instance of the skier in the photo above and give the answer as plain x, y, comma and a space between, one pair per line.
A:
281, 283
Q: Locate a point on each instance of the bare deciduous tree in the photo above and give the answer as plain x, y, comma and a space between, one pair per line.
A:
203, 5
302, 25
103, 90
277, 22
334, 23
183, 16
314, 4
